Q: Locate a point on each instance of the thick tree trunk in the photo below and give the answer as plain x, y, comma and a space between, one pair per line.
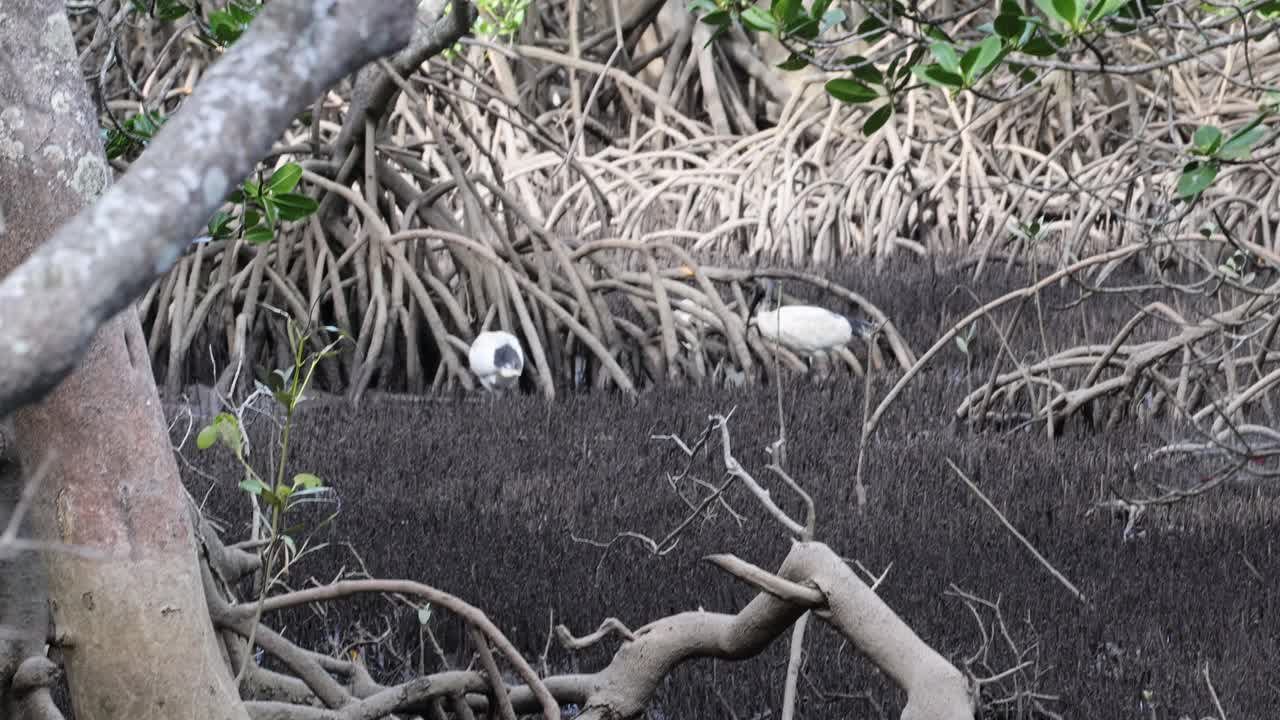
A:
24, 613
132, 621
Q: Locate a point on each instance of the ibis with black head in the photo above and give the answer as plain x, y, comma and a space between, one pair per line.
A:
804, 329
496, 359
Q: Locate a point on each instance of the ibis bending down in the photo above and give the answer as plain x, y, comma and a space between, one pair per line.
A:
496, 358
807, 329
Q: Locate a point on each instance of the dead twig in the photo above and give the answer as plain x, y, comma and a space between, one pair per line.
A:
1009, 526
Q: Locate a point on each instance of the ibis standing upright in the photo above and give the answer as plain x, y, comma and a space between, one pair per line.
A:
804, 329
496, 359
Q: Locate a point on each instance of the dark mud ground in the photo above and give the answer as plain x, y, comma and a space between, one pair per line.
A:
483, 497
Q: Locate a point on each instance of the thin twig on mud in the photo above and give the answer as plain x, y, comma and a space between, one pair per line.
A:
1009, 526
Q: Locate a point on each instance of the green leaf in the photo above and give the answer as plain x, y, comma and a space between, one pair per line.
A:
134, 133
228, 431
270, 210
793, 63
719, 18
1070, 9
1029, 30
988, 52
963, 343
869, 74
207, 438
850, 91
946, 56
294, 206
912, 61
871, 29
170, 10
1009, 26
1039, 47
803, 28
271, 499
757, 19
1255, 122
253, 485
1051, 11
250, 219
877, 119
285, 179
279, 378
819, 9
1105, 8
226, 26
240, 13
220, 226
1241, 144
1206, 139
937, 75
307, 480
863, 70
784, 11
967, 61
936, 33
146, 124
259, 235
1196, 177
163, 10
702, 6
892, 71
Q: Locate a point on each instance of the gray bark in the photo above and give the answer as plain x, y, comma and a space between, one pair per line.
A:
374, 89
24, 610
131, 619
108, 254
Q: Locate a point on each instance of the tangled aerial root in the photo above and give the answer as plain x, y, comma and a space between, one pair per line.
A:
552, 193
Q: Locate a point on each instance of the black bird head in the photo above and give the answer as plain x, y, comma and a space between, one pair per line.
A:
862, 328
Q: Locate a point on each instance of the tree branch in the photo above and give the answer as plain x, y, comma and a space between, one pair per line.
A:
104, 258
374, 88
935, 689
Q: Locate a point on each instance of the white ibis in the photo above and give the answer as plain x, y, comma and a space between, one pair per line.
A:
496, 358
807, 329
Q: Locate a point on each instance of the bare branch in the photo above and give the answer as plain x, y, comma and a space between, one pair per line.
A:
734, 468
1004, 521
935, 689
607, 628
765, 581
466, 611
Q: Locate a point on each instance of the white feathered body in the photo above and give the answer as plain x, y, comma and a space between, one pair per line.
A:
496, 359
805, 329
